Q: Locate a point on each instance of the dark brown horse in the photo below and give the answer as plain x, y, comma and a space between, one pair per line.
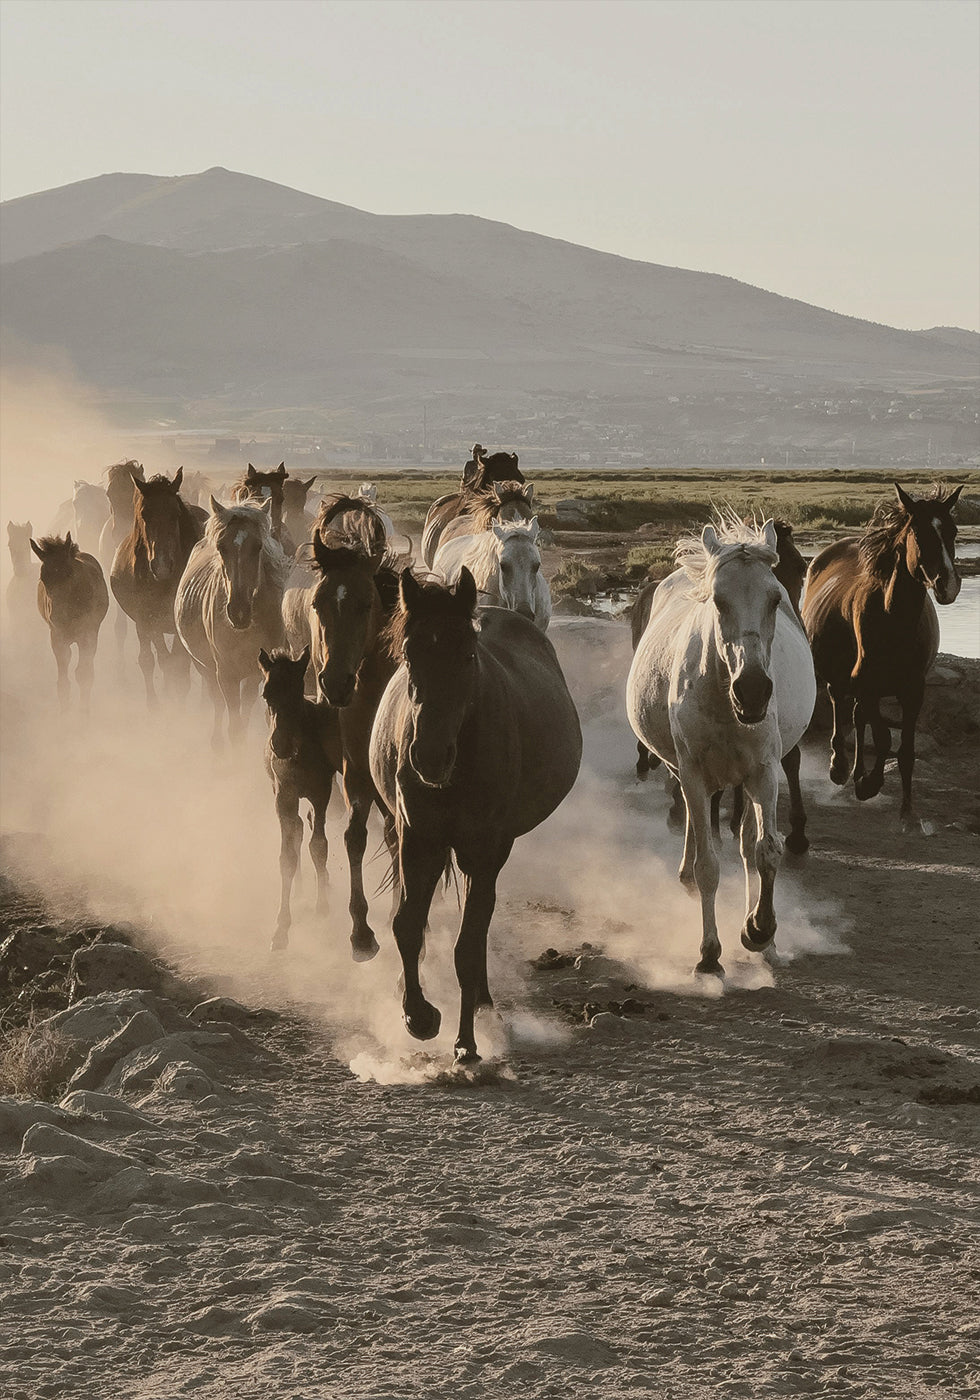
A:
254, 487
347, 609
874, 629
73, 600
475, 491
476, 742
146, 570
297, 520
302, 755
791, 572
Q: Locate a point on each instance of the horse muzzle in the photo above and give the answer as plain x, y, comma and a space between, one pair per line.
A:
337, 696
751, 693
433, 768
946, 590
523, 610
240, 615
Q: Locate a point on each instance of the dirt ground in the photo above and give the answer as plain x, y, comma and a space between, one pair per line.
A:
762, 1189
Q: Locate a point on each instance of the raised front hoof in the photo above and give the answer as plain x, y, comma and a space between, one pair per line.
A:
466, 1055
755, 939
710, 967
423, 1023
868, 785
363, 949
797, 843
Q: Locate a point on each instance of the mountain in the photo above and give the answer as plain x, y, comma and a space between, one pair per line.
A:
220, 285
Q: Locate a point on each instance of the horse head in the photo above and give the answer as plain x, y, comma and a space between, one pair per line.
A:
436, 636
344, 611
57, 558
930, 541
158, 518
518, 564
745, 597
240, 535
283, 693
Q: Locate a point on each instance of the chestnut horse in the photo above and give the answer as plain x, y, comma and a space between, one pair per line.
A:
476, 742
875, 632
73, 600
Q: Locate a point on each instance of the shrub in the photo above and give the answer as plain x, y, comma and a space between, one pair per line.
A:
35, 1062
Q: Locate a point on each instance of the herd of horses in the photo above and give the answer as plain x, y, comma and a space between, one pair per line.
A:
433, 694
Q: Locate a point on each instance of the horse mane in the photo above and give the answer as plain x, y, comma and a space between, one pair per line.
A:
243, 483
188, 526
369, 529
736, 538
51, 544
486, 504
437, 600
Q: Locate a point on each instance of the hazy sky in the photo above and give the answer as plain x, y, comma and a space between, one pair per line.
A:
828, 150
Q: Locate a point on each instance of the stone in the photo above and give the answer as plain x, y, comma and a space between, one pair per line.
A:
142, 1029
27, 952
88, 1104
223, 1009
45, 1140
17, 1115
97, 1017
113, 967
142, 1067
284, 1317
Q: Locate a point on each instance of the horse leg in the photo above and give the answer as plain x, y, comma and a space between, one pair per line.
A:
796, 841
421, 866
231, 692
359, 796
911, 702
391, 841
843, 708
119, 631
62, 656
759, 830
716, 814
645, 760
686, 872
249, 695
677, 815
470, 955
318, 851
291, 841
705, 864
217, 707
85, 668
180, 669
870, 784
738, 809
147, 663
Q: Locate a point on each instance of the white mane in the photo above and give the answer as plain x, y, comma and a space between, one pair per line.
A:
734, 537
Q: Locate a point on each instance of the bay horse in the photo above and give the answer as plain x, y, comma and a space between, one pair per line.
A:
73, 600
146, 569
475, 489
266, 486
476, 742
229, 606
506, 564
875, 632
720, 688
302, 755
344, 614
297, 520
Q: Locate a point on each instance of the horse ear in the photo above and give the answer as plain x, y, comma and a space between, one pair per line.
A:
265, 506
137, 481
499, 532
307, 484
770, 536
68, 540
465, 590
709, 538
953, 497
178, 479
535, 527
904, 499
409, 590
251, 473
37, 549
265, 660
281, 469
219, 511
527, 492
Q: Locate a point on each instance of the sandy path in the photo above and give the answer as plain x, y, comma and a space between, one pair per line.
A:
736, 1195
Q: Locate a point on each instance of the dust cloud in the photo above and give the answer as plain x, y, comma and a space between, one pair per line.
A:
131, 818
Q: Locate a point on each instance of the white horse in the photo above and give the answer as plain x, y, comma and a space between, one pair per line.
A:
721, 687
506, 563
229, 606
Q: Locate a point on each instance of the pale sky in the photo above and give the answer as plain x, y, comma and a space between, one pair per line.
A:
829, 151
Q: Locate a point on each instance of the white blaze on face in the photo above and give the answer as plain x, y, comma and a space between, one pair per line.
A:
946, 562
341, 593
240, 538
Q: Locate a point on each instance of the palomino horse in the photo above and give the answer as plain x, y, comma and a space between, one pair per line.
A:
229, 606
875, 632
266, 486
506, 563
791, 571
302, 755
73, 600
121, 491
721, 687
476, 742
344, 613
353, 517
146, 570
475, 486
21, 596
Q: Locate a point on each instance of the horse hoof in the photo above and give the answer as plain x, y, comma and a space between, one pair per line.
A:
675, 822
463, 1055
867, 786
706, 968
280, 941
797, 843
839, 773
755, 941
424, 1023
363, 950
690, 887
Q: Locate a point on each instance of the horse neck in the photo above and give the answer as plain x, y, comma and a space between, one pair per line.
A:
20, 558
903, 595
72, 598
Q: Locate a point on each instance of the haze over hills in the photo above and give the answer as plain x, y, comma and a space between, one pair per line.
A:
247, 295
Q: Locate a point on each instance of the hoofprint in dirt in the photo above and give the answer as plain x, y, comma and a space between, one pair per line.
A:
763, 1192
